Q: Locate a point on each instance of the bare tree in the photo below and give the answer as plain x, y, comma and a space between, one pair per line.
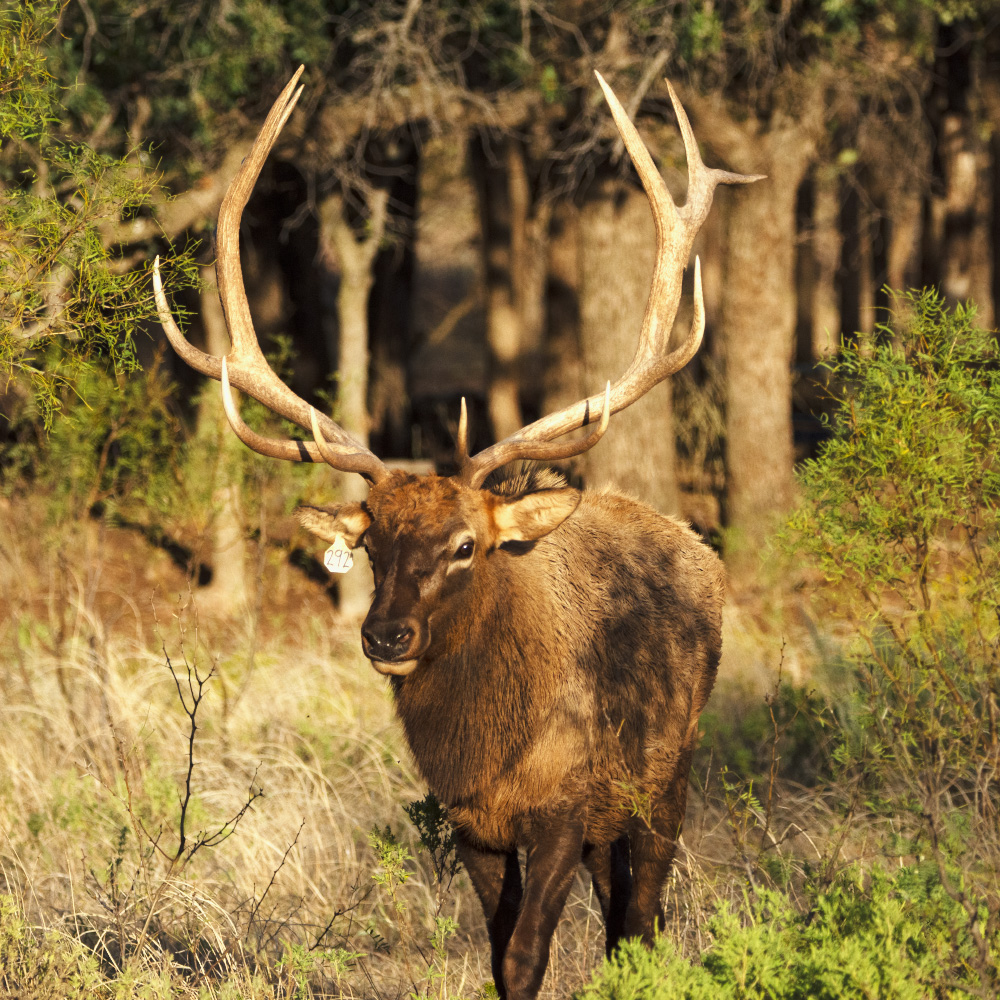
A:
514, 227
759, 308
616, 255
227, 590
355, 257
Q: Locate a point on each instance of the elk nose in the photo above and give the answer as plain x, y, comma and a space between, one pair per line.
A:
387, 640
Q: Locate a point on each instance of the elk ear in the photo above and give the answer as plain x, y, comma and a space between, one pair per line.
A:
531, 517
348, 520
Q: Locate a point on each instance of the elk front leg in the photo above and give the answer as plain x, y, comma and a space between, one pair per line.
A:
554, 850
496, 877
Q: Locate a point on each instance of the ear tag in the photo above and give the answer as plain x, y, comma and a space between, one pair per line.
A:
338, 558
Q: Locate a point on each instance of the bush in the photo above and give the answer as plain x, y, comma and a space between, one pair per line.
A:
70, 301
896, 937
900, 513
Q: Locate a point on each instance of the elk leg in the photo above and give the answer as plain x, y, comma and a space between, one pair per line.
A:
496, 877
554, 850
609, 868
652, 849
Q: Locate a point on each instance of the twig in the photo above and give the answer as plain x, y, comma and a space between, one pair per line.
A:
274, 875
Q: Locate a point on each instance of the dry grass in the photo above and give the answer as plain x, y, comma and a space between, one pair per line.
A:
94, 761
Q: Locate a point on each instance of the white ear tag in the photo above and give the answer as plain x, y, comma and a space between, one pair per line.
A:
338, 558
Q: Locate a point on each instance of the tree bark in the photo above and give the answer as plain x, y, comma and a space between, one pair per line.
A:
826, 246
758, 305
355, 257
758, 323
964, 219
398, 159
227, 591
530, 221
503, 323
857, 290
514, 227
616, 255
960, 212
758, 316
563, 353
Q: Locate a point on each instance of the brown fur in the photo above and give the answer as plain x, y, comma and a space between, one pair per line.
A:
559, 684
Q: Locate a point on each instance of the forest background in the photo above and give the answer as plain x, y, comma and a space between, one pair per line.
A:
450, 213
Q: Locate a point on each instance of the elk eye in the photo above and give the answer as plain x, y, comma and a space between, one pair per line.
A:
465, 550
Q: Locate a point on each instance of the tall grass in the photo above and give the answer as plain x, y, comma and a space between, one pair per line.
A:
96, 754
204, 806
98, 634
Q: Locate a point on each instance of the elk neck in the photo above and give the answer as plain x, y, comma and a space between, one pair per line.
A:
472, 706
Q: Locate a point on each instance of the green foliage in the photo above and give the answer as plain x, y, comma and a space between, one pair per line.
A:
701, 32
896, 937
69, 302
119, 449
904, 498
193, 62
788, 727
300, 964
437, 837
900, 512
41, 965
27, 94
391, 858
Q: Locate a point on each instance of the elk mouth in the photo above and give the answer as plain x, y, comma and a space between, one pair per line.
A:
393, 645
398, 668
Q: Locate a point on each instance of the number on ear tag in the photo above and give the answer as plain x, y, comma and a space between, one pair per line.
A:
338, 558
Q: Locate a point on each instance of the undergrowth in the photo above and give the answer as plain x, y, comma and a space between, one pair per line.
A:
218, 808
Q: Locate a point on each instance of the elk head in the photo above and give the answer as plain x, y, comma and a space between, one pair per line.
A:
429, 537
430, 540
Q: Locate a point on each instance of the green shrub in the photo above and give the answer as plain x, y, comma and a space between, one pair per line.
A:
69, 302
785, 731
900, 513
41, 965
895, 937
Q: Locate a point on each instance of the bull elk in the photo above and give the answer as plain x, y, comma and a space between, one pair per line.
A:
549, 650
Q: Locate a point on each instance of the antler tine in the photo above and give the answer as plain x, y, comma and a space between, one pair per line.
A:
346, 459
246, 368
702, 180
292, 451
653, 362
228, 267
207, 364
512, 449
462, 441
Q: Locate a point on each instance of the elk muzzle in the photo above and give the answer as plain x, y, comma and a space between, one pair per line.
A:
392, 645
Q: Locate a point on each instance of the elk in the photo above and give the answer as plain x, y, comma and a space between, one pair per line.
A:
549, 649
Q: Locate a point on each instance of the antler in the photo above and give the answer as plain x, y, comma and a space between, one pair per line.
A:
245, 366
676, 229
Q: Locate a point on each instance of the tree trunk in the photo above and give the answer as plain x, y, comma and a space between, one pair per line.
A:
960, 212
503, 323
530, 221
759, 307
617, 251
964, 242
563, 353
514, 245
758, 324
227, 591
390, 309
826, 247
356, 258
